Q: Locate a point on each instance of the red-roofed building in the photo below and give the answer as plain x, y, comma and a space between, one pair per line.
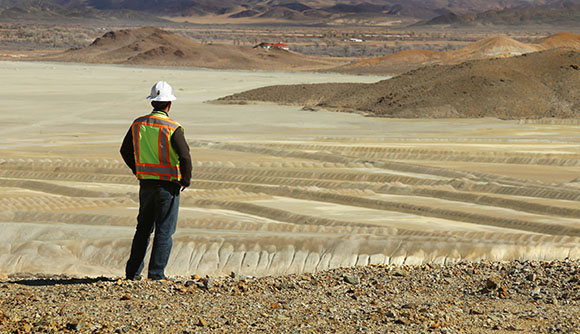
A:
281, 46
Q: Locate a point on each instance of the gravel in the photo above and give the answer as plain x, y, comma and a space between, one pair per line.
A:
482, 297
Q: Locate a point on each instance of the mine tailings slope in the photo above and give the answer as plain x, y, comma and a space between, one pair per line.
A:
536, 85
153, 46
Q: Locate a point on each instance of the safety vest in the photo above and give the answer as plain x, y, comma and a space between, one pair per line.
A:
155, 158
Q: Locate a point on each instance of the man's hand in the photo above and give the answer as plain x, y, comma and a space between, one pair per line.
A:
183, 185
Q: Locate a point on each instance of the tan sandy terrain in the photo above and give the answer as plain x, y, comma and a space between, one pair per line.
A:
276, 189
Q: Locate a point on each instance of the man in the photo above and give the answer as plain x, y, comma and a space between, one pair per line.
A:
156, 151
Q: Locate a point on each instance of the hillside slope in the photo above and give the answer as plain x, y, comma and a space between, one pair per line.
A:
153, 46
71, 12
492, 47
537, 85
546, 15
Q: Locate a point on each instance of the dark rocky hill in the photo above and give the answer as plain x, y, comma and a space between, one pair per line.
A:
536, 85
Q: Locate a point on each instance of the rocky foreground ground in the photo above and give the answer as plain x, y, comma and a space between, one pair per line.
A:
484, 297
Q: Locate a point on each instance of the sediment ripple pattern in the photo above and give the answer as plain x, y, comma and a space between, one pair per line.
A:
304, 207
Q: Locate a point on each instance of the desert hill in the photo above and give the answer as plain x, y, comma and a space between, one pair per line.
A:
362, 11
71, 12
290, 11
153, 46
395, 63
558, 14
559, 40
498, 46
537, 85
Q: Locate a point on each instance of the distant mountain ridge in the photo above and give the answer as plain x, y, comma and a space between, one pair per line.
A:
71, 11
560, 12
433, 11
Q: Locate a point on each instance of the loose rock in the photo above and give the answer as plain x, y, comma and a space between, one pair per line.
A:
441, 298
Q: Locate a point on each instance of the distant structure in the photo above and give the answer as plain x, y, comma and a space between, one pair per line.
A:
273, 46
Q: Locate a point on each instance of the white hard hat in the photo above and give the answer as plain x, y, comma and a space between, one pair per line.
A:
162, 92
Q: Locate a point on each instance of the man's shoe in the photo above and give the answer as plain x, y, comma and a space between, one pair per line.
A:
161, 279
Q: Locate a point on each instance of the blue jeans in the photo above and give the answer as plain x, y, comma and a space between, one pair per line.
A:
158, 210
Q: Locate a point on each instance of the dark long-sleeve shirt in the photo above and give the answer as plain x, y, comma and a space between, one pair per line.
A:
179, 145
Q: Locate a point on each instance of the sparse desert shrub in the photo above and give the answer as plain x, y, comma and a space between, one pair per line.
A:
46, 36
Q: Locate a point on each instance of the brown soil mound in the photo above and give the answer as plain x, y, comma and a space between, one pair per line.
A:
560, 40
537, 85
153, 46
492, 47
399, 62
497, 46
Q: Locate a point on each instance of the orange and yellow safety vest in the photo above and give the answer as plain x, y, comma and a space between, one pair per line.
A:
155, 158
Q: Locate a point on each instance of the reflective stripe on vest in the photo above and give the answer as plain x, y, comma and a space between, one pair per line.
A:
155, 158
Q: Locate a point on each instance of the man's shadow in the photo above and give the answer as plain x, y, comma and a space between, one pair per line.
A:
60, 281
